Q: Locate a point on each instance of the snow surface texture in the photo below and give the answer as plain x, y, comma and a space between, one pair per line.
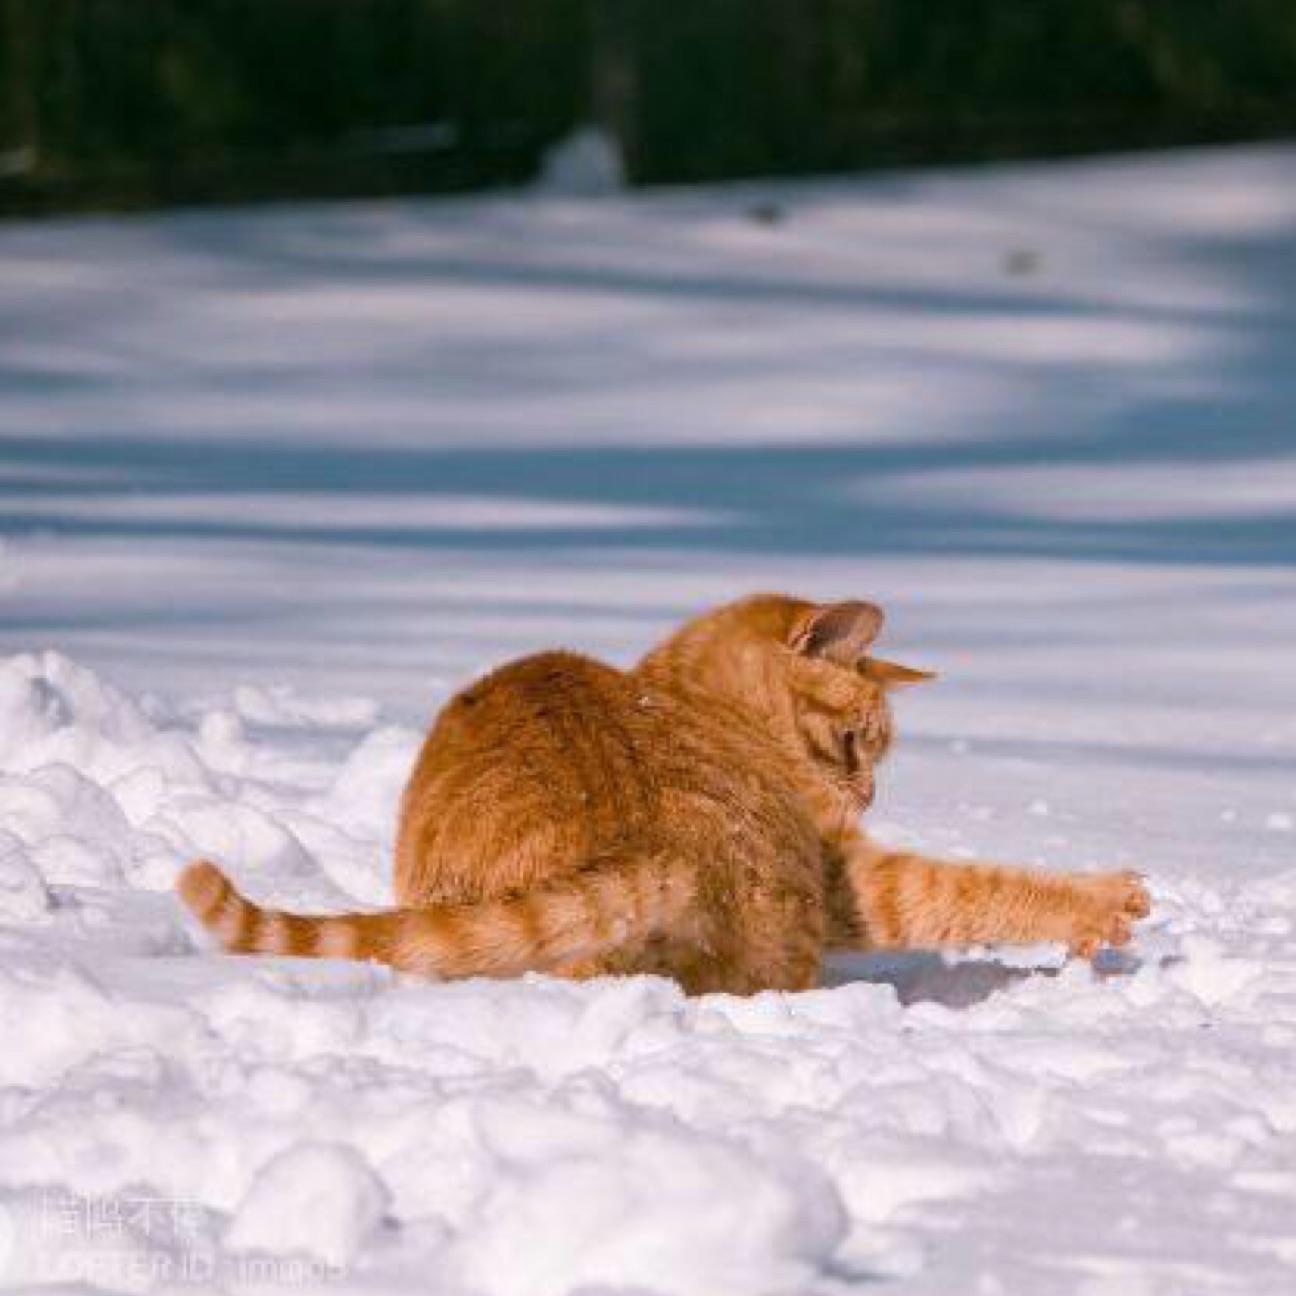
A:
274, 483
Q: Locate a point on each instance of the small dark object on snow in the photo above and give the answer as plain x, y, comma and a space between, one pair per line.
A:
767, 213
1021, 261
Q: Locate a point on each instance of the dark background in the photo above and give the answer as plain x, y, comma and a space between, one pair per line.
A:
125, 103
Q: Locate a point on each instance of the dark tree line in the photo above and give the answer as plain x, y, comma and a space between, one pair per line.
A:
133, 101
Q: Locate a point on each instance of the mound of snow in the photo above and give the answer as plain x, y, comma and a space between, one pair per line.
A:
99, 790
318, 1199
615, 1199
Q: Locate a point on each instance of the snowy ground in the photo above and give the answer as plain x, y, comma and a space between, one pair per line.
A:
272, 484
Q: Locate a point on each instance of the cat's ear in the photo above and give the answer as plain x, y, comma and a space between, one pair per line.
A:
840, 632
892, 675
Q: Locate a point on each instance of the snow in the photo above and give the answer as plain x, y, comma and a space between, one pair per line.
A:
587, 163
274, 483
316, 1199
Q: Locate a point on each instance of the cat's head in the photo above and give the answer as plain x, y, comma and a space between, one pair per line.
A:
807, 672
840, 690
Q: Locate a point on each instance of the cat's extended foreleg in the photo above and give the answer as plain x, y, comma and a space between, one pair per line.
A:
893, 899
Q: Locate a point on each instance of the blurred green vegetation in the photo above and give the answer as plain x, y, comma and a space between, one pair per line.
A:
133, 102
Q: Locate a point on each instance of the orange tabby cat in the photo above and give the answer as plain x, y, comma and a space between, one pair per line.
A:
695, 816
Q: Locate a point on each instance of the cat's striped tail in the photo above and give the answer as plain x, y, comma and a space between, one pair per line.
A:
591, 913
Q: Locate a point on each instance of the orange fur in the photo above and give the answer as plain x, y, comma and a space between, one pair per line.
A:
696, 816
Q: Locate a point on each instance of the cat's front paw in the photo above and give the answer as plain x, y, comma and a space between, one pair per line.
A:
1110, 904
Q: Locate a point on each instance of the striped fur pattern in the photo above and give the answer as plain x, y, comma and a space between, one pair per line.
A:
696, 816
911, 901
551, 927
